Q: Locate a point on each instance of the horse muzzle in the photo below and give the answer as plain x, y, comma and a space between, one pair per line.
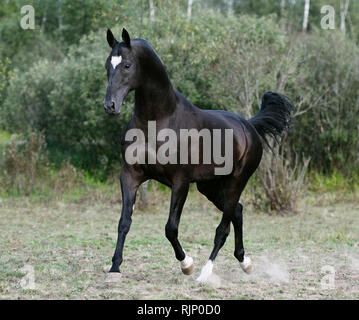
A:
112, 108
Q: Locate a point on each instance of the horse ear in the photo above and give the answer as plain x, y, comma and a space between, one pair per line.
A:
126, 37
110, 38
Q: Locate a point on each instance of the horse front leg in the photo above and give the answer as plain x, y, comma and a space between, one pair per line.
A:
178, 198
129, 186
227, 201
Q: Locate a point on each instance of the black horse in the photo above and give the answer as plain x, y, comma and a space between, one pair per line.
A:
134, 65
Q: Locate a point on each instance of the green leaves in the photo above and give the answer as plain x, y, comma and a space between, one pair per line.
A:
216, 61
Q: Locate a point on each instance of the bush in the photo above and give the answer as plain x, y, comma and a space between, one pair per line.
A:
5, 76
25, 169
24, 162
217, 62
280, 183
65, 100
325, 90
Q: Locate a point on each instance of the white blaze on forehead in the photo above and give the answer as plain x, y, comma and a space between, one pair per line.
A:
115, 61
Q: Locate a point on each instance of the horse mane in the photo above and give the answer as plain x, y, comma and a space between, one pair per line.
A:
141, 43
149, 59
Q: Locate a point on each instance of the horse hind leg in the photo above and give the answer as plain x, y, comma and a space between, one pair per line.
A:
250, 164
237, 221
232, 212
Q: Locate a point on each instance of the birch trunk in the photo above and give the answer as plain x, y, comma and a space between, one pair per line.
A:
344, 6
306, 15
230, 7
282, 14
189, 9
60, 15
143, 195
152, 11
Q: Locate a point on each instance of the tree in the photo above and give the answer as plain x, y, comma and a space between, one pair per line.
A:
306, 15
230, 6
152, 11
189, 9
344, 6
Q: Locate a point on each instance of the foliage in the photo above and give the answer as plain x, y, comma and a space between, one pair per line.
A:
282, 182
65, 99
212, 64
53, 78
65, 102
328, 79
25, 168
5, 75
335, 182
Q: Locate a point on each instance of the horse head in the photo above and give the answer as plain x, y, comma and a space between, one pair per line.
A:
122, 72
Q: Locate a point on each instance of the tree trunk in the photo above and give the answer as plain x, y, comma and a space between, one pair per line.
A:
152, 11
143, 195
189, 9
60, 15
43, 22
344, 6
306, 15
282, 14
230, 7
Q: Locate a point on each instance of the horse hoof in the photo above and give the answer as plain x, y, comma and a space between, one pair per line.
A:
247, 265
113, 277
189, 270
187, 266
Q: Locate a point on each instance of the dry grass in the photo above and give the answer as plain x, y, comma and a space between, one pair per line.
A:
70, 246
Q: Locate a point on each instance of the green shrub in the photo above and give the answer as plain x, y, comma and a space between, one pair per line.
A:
22, 164
217, 62
5, 76
325, 89
25, 169
65, 100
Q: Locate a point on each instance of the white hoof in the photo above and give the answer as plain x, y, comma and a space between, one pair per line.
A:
247, 265
113, 277
206, 272
187, 265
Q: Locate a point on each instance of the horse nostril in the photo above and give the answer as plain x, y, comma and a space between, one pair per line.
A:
109, 106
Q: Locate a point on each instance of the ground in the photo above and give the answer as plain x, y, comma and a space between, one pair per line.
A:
63, 249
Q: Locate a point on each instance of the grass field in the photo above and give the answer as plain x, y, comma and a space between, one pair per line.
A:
69, 245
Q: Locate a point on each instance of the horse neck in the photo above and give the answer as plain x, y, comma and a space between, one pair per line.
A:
155, 98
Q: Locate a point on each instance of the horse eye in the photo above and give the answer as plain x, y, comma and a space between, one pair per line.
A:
127, 66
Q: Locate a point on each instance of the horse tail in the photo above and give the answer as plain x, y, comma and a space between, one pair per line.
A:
273, 117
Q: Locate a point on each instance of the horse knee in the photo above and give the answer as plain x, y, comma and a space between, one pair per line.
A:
124, 226
171, 231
